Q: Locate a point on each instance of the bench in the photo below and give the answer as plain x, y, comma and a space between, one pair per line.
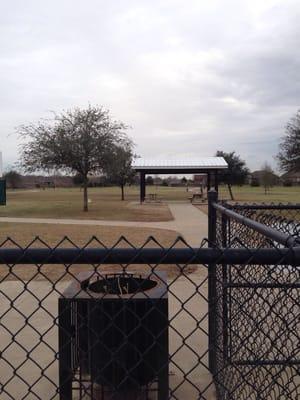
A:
152, 197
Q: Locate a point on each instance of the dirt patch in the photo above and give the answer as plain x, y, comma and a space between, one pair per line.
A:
70, 236
151, 211
57, 273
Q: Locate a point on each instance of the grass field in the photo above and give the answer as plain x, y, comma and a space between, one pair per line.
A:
257, 194
105, 203
24, 233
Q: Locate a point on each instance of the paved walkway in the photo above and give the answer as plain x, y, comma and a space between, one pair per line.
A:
189, 221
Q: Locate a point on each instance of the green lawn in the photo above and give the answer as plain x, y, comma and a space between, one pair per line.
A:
241, 193
105, 203
257, 194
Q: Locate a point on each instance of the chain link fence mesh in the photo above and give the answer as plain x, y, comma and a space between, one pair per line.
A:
132, 323
258, 309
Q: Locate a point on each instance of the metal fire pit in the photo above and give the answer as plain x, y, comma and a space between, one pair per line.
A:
114, 335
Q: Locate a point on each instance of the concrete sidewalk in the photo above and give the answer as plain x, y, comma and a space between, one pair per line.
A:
36, 332
189, 221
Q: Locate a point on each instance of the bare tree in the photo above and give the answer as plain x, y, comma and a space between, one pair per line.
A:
267, 177
289, 154
236, 173
119, 170
78, 141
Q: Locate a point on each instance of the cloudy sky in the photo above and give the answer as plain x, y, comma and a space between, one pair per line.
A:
189, 76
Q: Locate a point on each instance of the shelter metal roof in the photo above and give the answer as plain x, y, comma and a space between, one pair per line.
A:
204, 163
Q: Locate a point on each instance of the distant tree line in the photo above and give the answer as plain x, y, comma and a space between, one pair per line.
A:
13, 178
88, 142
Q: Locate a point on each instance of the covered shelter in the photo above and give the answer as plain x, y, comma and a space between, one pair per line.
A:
203, 165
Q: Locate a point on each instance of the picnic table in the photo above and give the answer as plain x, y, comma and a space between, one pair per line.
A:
196, 197
152, 196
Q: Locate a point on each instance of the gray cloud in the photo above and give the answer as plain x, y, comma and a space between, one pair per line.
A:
189, 77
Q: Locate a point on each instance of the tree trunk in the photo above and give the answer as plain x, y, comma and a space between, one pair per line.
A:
122, 190
230, 191
85, 195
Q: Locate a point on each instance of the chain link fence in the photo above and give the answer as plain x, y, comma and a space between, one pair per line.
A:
284, 217
217, 322
258, 305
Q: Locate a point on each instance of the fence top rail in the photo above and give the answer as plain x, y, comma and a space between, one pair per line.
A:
154, 256
271, 233
281, 206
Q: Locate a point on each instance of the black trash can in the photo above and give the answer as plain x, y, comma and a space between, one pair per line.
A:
120, 330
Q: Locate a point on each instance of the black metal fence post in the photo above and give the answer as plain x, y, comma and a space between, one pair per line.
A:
212, 220
142, 187
212, 217
64, 346
224, 232
163, 375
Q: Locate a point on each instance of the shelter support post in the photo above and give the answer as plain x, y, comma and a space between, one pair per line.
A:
208, 182
142, 187
216, 182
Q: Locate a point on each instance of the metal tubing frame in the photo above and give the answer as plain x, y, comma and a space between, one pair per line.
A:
212, 320
163, 374
64, 349
266, 256
238, 206
265, 230
225, 291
